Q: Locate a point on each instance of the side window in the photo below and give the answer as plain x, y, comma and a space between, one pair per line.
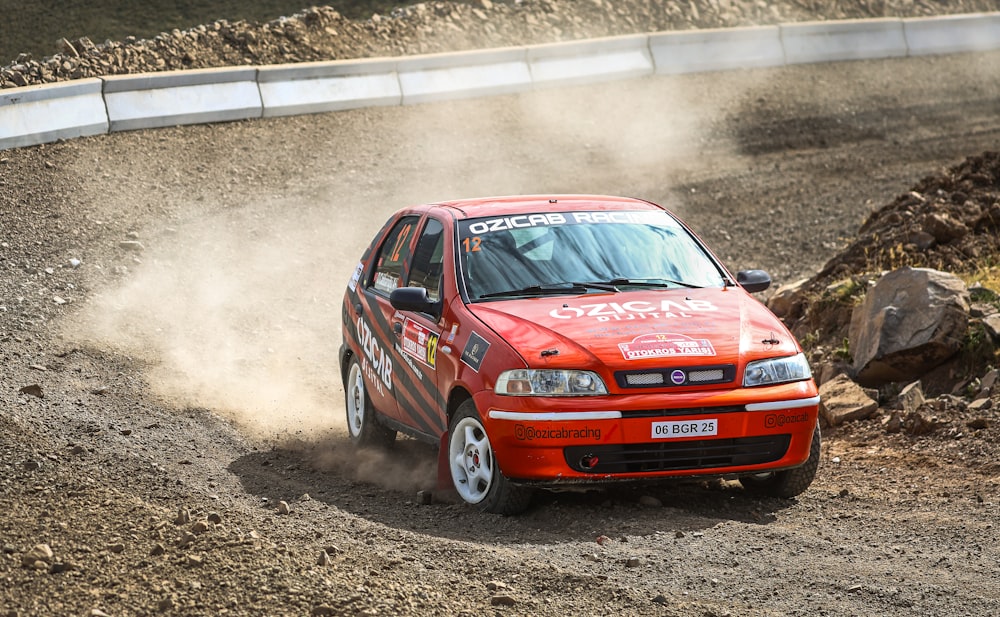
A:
393, 255
428, 259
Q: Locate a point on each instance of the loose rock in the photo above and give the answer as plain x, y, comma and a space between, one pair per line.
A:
503, 600
842, 400
39, 554
32, 390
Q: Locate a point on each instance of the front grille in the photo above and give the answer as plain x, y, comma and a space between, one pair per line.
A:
640, 380
678, 455
681, 411
676, 376
714, 375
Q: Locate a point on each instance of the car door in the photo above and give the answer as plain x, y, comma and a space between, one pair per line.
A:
381, 361
421, 404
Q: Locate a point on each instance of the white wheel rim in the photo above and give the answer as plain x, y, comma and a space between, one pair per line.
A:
472, 463
355, 400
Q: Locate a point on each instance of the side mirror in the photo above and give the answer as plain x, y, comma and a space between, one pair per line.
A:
753, 280
413, 299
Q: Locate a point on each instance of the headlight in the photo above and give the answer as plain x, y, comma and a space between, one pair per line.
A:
549, 382
776, 370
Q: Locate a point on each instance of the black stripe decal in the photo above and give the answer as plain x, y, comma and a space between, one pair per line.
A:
406, 390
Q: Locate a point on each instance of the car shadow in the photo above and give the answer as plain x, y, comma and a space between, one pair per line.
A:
398, 488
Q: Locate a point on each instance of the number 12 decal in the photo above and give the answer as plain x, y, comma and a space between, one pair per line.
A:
404, 235
472, 245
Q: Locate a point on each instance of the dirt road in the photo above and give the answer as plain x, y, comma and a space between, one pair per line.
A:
175, 295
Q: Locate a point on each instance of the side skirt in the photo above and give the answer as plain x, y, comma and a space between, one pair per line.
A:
408, 430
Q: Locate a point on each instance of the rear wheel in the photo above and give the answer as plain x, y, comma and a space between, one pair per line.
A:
790, 482
474, 469
362, 424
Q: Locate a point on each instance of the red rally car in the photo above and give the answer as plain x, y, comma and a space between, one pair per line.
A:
544, 340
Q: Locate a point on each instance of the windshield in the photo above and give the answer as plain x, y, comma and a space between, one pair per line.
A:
555, 253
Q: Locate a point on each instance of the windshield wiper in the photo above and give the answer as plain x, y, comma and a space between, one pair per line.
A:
550, 288
652, 283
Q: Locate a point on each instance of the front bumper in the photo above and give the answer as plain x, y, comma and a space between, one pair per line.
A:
743, 431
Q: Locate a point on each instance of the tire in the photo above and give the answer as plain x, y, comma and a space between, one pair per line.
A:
362, 424
474, 470
790, 482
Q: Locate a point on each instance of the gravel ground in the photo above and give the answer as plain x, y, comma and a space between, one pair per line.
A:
171, 425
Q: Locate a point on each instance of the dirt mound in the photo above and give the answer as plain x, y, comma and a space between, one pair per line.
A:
947, 221
322, 33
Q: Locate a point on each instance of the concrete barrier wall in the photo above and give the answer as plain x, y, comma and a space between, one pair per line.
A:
952, 34
314, 87
40, 114
461, 75
153, 100
834, 41
697, 51
584, 62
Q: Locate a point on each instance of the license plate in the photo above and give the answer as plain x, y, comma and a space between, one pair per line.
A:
685, 428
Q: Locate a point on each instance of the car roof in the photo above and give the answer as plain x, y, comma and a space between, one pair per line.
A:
524, 204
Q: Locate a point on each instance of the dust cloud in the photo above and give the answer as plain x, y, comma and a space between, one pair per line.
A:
238, 314
603, 139
408, 467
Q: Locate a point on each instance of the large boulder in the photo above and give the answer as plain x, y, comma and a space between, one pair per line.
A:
910, 322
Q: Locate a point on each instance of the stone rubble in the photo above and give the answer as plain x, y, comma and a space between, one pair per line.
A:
322, 33
915, 328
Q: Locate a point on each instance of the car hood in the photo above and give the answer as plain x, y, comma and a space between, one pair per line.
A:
639, 329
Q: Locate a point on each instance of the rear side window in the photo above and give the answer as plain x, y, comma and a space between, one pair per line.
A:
393, 255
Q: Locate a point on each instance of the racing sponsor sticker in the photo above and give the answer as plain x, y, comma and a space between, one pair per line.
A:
527, 432
545, 219
386, 282
377, 362
777, 420
663, 345
475, 351
420, 343
676, 429
353, 283
634, 310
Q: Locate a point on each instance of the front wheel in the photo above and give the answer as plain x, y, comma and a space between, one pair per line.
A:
474, 470
362, 425
790, 482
